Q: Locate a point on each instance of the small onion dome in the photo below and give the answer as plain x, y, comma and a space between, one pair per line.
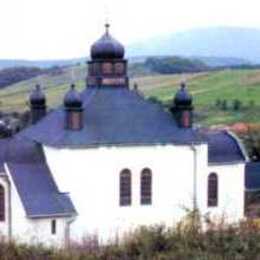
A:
72, 98
37, 97
107, 47
182, 97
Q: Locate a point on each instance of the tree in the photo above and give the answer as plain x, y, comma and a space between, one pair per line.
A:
171, 65
252, 142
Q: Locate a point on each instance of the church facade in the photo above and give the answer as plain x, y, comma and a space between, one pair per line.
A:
108, 161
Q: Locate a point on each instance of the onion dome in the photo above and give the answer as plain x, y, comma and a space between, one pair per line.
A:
182, 97
107, 47
37, 97
72, 98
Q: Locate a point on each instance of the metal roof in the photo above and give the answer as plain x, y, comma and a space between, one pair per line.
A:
33, 180
113, 116
223, 148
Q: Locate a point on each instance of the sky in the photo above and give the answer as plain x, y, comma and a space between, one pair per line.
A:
62, 29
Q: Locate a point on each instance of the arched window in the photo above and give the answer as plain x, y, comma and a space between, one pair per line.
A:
213, 190
125, 188
146, 187
2, 203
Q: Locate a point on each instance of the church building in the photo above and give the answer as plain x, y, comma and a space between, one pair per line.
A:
108, 160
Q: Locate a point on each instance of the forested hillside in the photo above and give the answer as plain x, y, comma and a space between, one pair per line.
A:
220, 97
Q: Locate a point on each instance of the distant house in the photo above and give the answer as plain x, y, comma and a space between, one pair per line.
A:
108, 161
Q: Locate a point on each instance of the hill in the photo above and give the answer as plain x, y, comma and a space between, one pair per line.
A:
210, 91
232, 44
215, 46
6, 63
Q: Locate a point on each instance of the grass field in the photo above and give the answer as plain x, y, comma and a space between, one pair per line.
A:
206, 88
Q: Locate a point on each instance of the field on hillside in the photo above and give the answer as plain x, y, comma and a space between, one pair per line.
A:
207, 89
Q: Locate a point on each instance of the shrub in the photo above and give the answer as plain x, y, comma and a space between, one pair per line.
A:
187, 240
224, 105
218, 102
237, 104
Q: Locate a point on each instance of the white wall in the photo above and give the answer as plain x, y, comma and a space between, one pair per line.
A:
231, 188
92, 178
33, 231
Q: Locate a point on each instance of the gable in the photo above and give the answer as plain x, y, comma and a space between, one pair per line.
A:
33, 180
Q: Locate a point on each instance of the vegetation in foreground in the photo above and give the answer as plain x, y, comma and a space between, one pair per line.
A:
185, 241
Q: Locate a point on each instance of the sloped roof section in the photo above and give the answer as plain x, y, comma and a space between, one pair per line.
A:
252, 179
113, 117
223, 148
33, 180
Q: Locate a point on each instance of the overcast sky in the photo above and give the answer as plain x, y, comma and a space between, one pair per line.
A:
51, 29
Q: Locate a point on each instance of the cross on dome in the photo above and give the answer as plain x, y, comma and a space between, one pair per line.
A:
107, 26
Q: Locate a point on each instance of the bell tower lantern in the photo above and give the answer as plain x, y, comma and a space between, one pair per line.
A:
107, 66
73, 110
37, 102
182, 108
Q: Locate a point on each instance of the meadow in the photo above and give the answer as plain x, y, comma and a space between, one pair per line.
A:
215, 93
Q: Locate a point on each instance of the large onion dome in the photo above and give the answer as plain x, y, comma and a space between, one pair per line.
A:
72, 98
37, 97
182, 97
107, 47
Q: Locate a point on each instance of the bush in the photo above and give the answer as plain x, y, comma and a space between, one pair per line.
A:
218, 102
251, 104
237, 104
187, 240
224, 105
252, 143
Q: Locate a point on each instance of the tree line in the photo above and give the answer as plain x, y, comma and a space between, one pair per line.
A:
13, 75
169, 65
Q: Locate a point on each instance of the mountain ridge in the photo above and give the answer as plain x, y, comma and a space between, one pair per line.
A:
230, 45
233, 42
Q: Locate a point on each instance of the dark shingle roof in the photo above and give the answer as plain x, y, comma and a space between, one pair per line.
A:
33, 180
223, 148
113, 116
252, 178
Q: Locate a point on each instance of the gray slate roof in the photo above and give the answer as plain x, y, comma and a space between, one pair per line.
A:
223, 148
33, 180
113, 116
253, 176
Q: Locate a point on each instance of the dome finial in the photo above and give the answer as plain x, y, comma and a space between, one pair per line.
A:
107, 26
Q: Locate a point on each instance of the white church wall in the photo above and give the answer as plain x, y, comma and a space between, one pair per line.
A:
33, 231
92, 178
231, 189
40, 230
